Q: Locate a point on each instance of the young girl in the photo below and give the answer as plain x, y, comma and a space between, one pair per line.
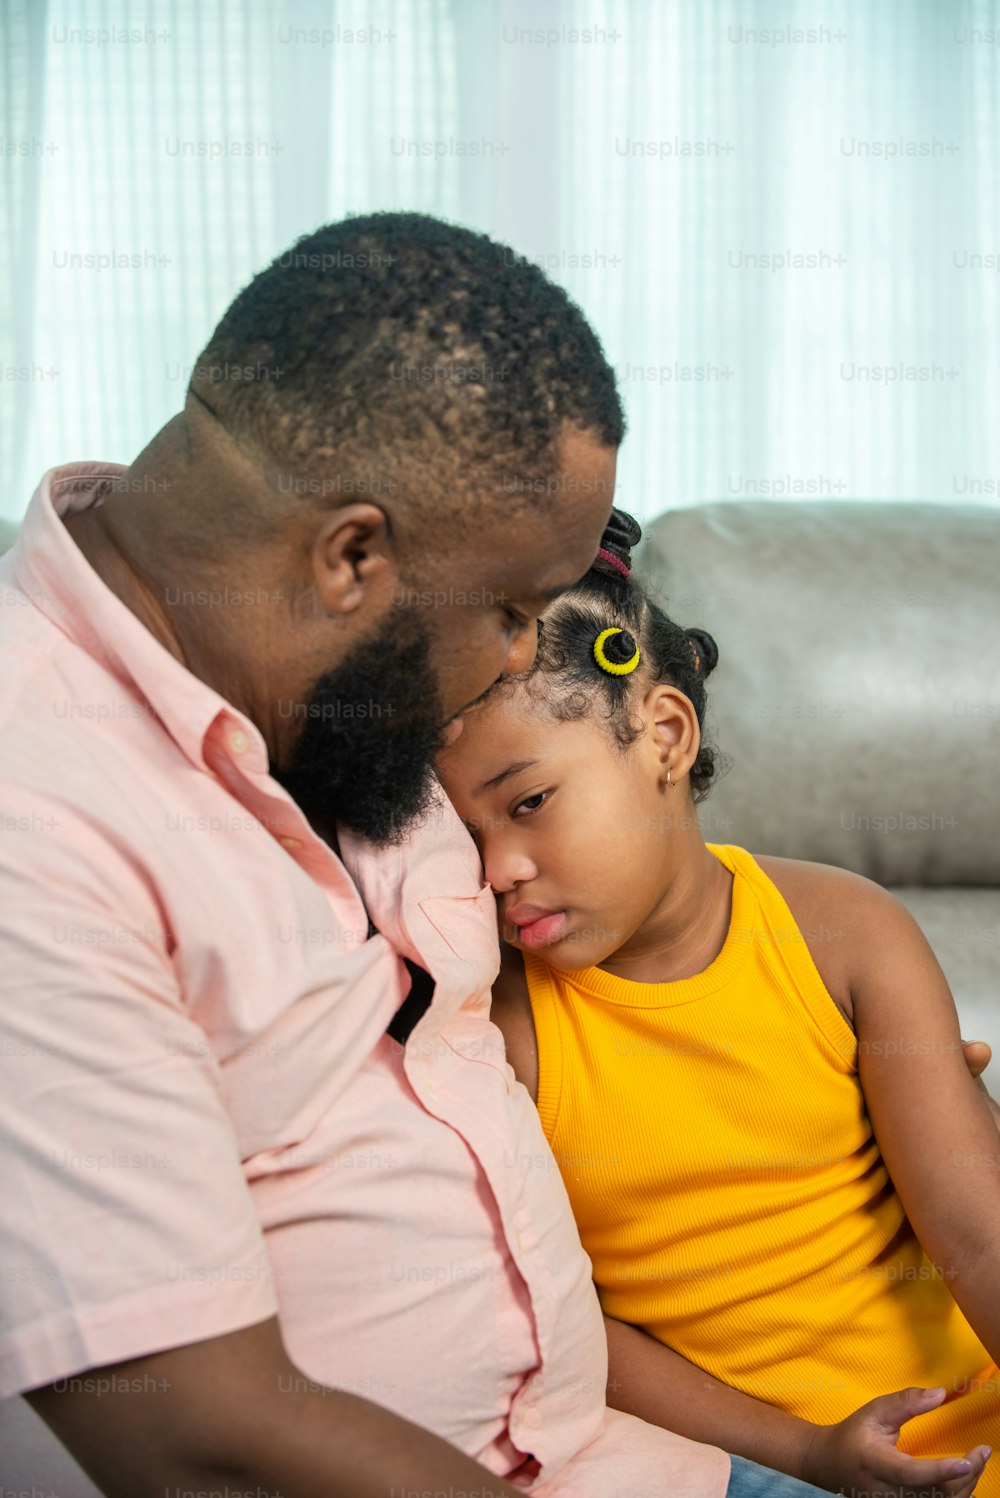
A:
749, 1070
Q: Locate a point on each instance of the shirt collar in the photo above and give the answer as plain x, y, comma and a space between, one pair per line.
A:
51, 570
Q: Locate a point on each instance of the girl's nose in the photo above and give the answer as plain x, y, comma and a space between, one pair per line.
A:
506, 868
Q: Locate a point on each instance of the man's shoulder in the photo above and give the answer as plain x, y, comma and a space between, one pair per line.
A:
28, 638
67, 725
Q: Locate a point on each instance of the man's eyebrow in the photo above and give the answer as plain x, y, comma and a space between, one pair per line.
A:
546, 595
507, 774
550, 594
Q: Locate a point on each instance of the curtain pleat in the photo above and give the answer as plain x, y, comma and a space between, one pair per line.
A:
783, 226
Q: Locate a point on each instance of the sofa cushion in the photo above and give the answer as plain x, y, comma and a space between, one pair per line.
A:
857, 693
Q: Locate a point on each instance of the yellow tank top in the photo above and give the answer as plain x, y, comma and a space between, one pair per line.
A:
713, 1138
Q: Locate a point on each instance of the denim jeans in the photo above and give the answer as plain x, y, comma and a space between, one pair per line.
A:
750, 1480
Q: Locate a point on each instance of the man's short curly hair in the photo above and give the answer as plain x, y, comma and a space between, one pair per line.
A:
401, 350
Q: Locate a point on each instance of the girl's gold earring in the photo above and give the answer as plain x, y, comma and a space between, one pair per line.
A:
669, 781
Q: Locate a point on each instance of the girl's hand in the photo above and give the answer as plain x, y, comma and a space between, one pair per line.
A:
977, 1058
860, 1453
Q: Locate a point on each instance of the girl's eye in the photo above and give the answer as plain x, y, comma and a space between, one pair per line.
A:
515, 624
531, 803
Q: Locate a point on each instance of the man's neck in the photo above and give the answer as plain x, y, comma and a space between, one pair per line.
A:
121, 539
94, 532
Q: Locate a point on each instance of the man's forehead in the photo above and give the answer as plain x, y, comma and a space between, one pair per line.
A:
544, 554
536, 538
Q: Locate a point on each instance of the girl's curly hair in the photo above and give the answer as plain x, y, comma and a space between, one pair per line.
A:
566, 678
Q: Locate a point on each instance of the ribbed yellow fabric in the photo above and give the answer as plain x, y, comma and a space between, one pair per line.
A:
713, 1139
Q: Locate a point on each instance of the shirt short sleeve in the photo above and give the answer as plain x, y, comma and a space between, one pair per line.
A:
126, 1224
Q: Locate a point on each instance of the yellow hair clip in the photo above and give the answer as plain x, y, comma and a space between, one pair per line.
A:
616, 668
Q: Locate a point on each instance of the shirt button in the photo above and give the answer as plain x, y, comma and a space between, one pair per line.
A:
238, 742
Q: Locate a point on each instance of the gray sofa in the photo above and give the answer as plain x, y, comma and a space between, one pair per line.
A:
858, 699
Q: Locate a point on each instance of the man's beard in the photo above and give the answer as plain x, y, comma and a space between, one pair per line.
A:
373, 727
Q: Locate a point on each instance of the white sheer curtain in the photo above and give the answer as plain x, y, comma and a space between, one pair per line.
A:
652, 153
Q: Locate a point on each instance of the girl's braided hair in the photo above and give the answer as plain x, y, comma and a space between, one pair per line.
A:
566, 678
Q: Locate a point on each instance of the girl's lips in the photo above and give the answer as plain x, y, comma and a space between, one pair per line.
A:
546, 930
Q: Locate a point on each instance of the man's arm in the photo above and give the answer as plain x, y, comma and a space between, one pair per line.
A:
136, 1229
235, 1410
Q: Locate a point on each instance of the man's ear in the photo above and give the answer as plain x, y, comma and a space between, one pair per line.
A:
672, 725
353, 560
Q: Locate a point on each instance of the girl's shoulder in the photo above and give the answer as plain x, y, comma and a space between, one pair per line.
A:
833, 909
510, 1011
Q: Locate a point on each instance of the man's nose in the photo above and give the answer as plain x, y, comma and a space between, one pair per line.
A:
524, 648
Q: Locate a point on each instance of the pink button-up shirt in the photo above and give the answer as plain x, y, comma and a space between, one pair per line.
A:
203, 1121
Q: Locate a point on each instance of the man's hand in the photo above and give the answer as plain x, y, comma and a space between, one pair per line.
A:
860, 1454
977, 1058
